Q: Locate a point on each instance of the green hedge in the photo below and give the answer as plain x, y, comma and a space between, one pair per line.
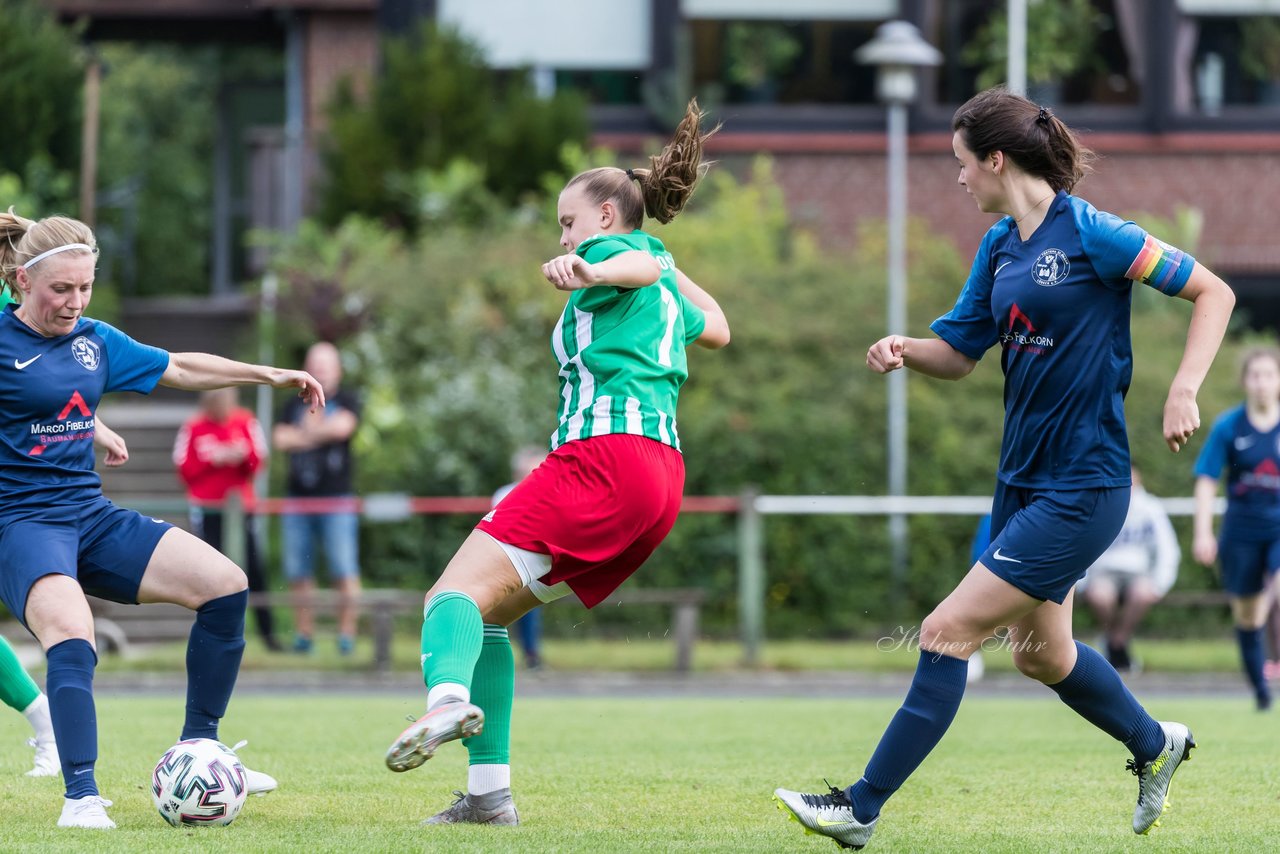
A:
457, 371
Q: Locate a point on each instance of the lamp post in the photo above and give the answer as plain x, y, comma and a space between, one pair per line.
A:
898, 51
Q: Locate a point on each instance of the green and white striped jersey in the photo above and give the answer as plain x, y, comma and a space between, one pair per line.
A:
621, 350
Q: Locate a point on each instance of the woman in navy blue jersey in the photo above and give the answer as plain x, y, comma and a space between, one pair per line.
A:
60, 538
1051, 284
1246, 442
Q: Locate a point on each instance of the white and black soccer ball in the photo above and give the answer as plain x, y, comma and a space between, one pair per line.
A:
198, 783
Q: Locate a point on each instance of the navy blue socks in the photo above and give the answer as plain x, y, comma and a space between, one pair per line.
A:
75, 721
1095, 691
1252, 656
213, 662
927, 711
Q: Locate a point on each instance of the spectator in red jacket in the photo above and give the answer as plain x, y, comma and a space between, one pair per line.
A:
217, 453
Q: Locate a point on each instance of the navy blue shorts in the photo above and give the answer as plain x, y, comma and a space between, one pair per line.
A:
104, 547
1043, 540
1246, 566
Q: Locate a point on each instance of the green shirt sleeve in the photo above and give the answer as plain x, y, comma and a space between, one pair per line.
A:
602, 247
695, 319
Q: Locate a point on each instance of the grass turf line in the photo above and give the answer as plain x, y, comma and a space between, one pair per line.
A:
1013, 775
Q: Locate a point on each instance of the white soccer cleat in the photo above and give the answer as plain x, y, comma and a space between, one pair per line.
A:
88, 812
47, 762
256, 782
829, 815
1155, 776
446, 722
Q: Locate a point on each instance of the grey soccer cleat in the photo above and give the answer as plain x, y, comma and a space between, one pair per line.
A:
496, 808
827, 815
446, 722
1155, 776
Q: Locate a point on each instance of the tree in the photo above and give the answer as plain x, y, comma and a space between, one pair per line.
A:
40, 78
436, 102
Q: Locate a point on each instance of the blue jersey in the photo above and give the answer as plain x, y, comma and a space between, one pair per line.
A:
1252, 460
49, 391
1058, 305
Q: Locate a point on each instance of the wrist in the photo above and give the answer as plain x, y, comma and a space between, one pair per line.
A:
1180, 390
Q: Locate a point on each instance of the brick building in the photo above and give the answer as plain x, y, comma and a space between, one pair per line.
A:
1176, 95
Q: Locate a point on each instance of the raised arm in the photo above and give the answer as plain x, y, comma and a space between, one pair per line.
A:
201, 371
1213, 300
929, 356
716, 332
630, 269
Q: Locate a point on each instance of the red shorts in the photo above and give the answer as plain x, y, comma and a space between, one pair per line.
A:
598, 506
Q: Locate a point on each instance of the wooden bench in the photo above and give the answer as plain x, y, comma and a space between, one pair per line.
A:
1195, 598
382, 605
686, 605
119, 627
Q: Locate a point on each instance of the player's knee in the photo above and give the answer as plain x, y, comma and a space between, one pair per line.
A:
228, 579
1040, 663
59, 629
942, 632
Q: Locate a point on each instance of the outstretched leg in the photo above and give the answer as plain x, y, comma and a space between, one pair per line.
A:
187, 571
980, 604
478, 577
1044, 650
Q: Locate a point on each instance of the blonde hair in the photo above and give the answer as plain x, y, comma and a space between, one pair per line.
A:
662, 190
22, 239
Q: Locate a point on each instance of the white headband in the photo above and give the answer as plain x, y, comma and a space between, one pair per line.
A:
55, 251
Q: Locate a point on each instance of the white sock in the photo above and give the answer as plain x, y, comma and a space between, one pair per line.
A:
447, 689
38, 714
483, 779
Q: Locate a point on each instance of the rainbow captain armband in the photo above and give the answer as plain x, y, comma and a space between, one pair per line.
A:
1161, 266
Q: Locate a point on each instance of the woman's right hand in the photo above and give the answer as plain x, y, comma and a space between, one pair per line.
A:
886, 354
569, 272
1204, 548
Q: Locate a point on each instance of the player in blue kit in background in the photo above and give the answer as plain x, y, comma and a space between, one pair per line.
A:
1051, 284
1246, 442
60, 538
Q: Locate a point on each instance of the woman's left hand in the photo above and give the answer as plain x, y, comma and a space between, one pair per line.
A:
116, 452
1181, 419
569, 272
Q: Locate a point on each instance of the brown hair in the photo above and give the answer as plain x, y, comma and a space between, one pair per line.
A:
22, 239
662, 190
1253, 354
1036, 140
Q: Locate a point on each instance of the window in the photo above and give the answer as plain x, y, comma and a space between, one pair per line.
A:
1229, 62
1078, 51
782, 62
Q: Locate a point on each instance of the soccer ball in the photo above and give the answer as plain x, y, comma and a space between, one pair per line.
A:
198, 783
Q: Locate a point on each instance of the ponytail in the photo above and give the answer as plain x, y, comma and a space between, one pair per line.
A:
662, 190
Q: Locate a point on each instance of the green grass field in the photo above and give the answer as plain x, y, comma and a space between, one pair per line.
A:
658, 654
1013, 775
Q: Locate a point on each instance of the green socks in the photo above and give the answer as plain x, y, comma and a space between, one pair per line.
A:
451, 641
492, 689
17, 690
